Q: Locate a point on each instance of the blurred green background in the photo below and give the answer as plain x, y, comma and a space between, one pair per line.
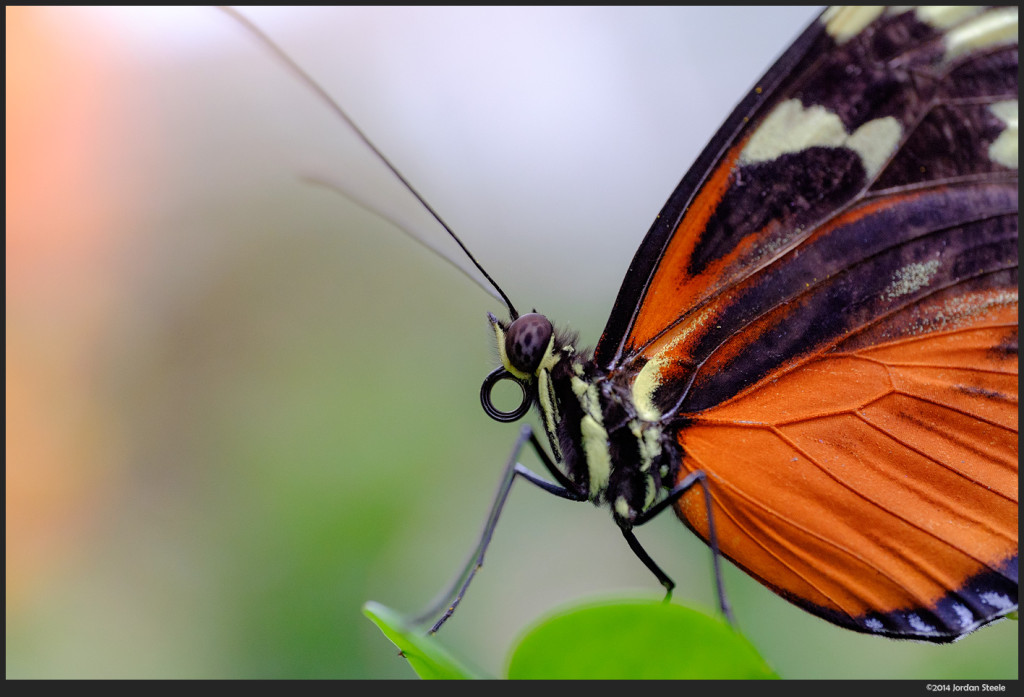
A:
239, 406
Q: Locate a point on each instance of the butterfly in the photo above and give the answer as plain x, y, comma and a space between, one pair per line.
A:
812, 359
813, 356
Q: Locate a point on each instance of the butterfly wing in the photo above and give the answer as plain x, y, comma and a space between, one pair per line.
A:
826, 310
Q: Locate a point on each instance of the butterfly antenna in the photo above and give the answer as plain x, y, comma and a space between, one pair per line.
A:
336, 108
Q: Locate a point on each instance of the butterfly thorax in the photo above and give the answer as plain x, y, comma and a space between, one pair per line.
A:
603, 445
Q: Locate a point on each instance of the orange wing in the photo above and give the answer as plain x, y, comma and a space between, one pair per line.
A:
825, 313
876, 486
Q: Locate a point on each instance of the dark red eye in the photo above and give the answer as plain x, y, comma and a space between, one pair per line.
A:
526, 340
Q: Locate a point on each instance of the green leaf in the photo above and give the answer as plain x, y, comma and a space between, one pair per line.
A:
635, 639
425, 655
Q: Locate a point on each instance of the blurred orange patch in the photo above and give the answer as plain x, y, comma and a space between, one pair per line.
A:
62, 285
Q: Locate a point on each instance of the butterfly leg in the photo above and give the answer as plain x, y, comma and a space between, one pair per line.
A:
678, 490
453, 596
642, 555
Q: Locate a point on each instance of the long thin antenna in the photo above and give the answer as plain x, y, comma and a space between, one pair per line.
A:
325, 182
336, 108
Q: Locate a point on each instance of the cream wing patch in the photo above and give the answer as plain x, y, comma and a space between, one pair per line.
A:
946, 16
844, 23
990, 29
791, 128
1003, 149
648, 379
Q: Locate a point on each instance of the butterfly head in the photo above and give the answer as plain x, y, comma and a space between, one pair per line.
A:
524, 344
528, 349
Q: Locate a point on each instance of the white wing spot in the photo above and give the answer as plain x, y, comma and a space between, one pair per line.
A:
919, 625
844, 23
945, 17
964, 615
875, 141
997, 600
791, 128
911, 278
1003, 149
875, 625
990, 29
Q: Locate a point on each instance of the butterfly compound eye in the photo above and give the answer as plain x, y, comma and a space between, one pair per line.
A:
527, 340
